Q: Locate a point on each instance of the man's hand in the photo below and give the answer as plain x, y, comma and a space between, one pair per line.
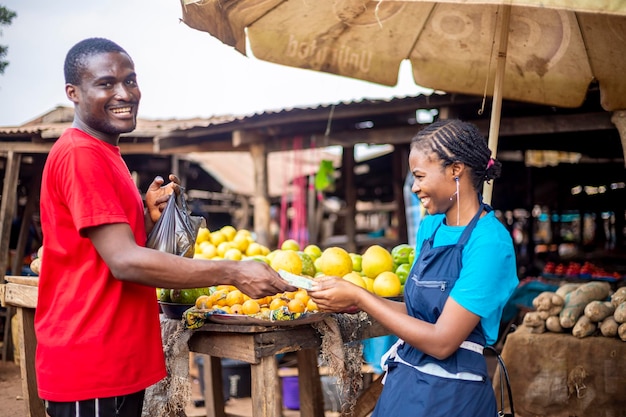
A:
158, 194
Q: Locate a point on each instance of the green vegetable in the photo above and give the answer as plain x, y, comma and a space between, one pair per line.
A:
402, 253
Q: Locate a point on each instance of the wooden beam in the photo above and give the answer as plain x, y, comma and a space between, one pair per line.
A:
542, 125
7, 207
24, 147
38, 148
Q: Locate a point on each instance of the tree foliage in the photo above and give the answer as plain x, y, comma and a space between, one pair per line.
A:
6, 17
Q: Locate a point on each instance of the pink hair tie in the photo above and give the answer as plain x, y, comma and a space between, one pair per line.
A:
490, 163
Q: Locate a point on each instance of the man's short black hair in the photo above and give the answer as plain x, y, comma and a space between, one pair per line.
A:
75, 60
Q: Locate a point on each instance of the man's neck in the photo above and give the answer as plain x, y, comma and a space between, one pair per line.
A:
110, 139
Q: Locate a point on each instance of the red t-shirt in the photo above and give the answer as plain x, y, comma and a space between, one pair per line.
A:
97, 336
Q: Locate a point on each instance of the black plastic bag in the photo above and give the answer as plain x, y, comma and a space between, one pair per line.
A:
176, 230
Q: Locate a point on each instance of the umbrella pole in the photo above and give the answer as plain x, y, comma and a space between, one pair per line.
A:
494, 124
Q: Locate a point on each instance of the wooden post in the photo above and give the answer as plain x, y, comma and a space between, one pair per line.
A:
213, 394
309, 384
7, 207
347, 170
261, 195
32, 206
399, 170
619, 120
267, 398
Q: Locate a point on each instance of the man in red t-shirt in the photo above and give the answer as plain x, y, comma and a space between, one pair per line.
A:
97, 323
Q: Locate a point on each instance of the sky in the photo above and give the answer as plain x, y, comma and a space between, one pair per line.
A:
182, 72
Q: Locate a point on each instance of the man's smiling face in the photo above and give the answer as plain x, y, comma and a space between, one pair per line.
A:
107, 99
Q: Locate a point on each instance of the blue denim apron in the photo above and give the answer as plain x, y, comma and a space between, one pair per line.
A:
417, 384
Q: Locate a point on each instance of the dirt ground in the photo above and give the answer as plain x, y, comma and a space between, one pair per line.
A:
11, 400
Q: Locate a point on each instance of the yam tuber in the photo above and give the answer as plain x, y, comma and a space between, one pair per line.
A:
618, 296
608, 327
576, 301
553, 325
534, 322
621, 331
584, 327
598, 310
533, 319
565, 289
620, 313
547, 300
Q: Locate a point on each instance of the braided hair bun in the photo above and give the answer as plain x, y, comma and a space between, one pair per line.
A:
453, 140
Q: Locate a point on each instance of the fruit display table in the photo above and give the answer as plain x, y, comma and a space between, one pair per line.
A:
254, 344
258, 346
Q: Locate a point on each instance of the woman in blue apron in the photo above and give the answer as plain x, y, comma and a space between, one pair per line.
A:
464, 273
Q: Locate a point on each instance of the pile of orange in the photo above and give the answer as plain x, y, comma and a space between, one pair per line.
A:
230, 300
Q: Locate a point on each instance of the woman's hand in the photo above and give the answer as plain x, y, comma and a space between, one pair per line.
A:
336, 295
158, 194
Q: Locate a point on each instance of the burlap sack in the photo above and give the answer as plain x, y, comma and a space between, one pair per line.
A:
559, 375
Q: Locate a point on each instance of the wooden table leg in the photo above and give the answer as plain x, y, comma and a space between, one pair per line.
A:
309, 384
267, 398
28, 345
213, 394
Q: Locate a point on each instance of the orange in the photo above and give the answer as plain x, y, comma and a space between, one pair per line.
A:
313, 251
204, 235
265, 300
203, 302
290, 244
241, 242
302, 295
369, 283
229, 232
287, 260
356, 279
387, 284
244, 232
234, 297
207, 249
233, 254
311, 306
254, 248
222, 248
335, 261
218, 297
277, 303
296, 306
217, 237
250, 307
376, 260
236, 309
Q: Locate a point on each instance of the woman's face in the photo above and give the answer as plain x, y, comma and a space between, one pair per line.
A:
433, 184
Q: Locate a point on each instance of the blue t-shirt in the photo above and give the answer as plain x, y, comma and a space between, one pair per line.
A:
489, 273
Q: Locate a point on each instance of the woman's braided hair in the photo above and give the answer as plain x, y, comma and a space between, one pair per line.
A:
453, 141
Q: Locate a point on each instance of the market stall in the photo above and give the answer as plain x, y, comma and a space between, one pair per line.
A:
255, 344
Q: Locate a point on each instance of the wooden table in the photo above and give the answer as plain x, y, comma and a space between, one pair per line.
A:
21, 292
258, 346
254, 344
